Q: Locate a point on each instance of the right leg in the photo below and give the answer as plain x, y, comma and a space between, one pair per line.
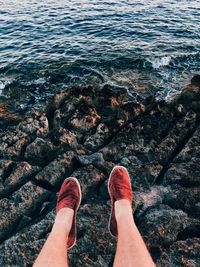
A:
131, 250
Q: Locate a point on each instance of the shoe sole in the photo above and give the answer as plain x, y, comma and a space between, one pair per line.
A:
116, 167
75, 211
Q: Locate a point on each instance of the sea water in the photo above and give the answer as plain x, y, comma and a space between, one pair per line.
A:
151, 47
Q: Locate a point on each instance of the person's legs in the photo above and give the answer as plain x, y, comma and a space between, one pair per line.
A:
131, 250
63, 234
54, 251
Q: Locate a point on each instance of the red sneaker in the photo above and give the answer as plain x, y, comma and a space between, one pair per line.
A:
119, 187
70, 197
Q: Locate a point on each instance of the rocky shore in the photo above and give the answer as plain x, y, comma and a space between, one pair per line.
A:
84, 132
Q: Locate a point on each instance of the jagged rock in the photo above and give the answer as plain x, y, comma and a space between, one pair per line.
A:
182, 253
25, 201
90, 240
20, 174
90, 178
12, 144
5, 169
85, 132
34, 126
96, 159
179, 197
153, 197
26, 243
162, 224
56, 171
191, 149
7, 118
85, 119
183, 173
176, 138
97, 140
65, 138
39, 152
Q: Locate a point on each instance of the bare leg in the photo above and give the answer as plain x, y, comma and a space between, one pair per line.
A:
131, 250
54, 251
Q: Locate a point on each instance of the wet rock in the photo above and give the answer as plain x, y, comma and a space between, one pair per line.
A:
196, 80
7, 118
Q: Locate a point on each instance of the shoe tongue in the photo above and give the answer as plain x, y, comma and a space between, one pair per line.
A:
69, 200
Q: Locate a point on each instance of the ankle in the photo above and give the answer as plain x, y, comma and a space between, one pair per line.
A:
123, 210
64, 219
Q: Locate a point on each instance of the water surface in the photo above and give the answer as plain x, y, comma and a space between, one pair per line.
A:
150, 47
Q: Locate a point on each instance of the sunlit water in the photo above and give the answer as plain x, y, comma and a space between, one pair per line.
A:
149, 47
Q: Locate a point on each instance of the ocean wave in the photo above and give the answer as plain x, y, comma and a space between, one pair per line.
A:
160, 62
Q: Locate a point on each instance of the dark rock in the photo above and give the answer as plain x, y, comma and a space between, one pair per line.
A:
191, 149
7, 118
96, 159
20, 249
97, 140
166, 224
90, 179
39, 152
184, 198
64, 139
13, 144
185, 174
85, 119
56, 171
196, 80
20, 174
84, 132
6, 167
182, 253
25, 201
34, 126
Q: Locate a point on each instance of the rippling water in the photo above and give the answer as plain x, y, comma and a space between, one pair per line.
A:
151, 47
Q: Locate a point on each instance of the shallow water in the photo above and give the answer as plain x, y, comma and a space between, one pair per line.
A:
151, 47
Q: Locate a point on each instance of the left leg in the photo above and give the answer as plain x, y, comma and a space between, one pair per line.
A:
54, 251
63, 234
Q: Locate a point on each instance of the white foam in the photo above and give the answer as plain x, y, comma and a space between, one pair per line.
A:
160, 62
2, 85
